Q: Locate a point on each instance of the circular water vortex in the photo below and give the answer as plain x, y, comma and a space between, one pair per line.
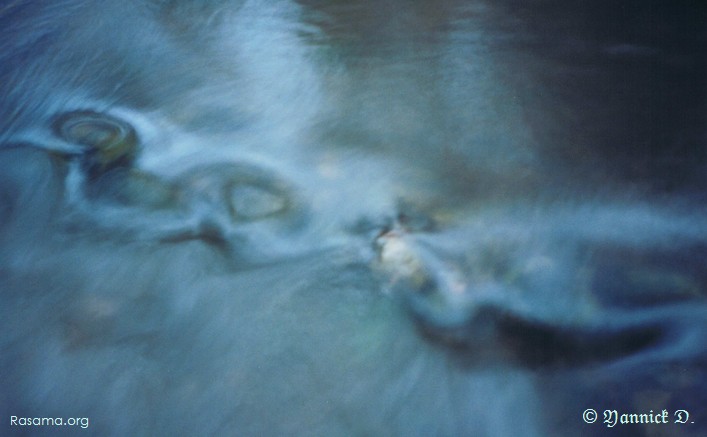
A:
247, 193
110, 142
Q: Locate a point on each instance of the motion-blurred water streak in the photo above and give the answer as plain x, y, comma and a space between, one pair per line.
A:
352, 218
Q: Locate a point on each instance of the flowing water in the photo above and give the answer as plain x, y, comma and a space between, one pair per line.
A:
352, 218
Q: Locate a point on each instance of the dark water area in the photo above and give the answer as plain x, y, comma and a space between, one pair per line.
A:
353, 218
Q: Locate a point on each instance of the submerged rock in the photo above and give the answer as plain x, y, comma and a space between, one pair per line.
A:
132, 187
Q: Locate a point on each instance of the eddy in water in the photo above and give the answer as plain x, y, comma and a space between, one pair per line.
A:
311, 218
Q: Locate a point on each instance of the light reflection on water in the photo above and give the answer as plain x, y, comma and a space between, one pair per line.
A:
327, 219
